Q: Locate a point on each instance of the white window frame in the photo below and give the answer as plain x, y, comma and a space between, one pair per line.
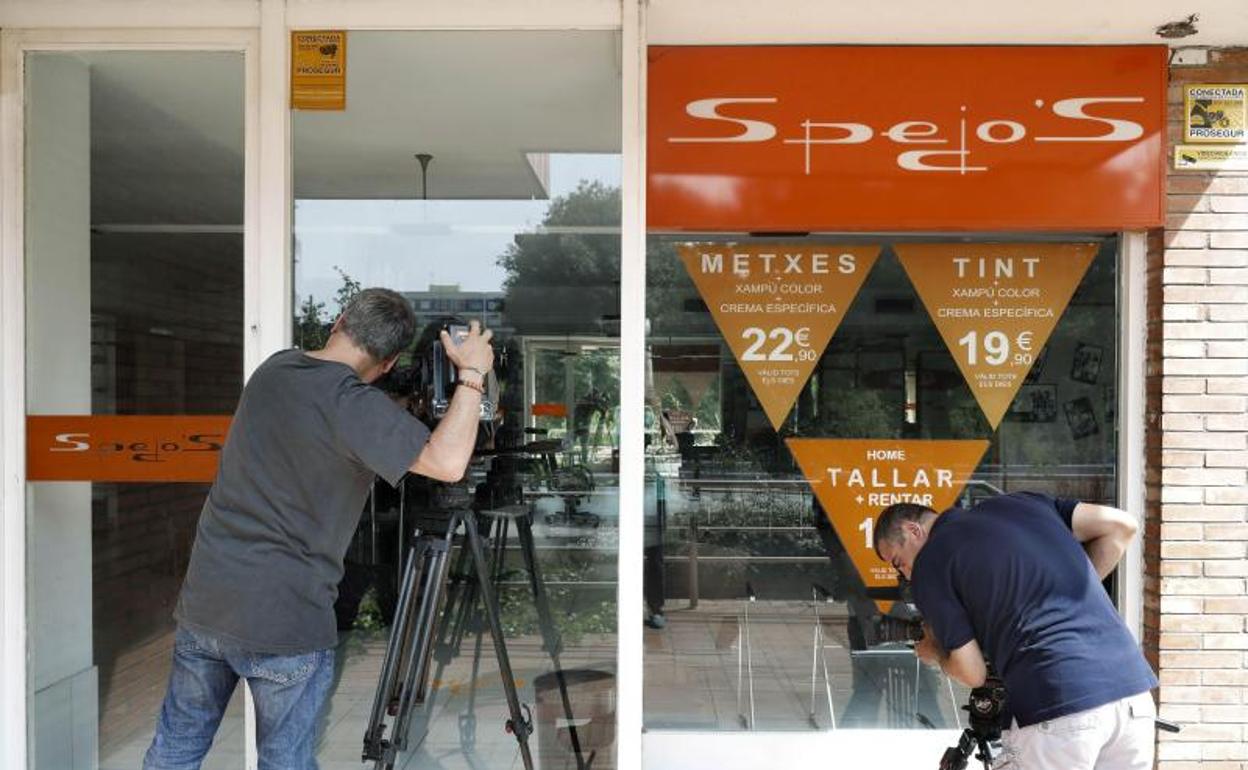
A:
1132, 363
14, 45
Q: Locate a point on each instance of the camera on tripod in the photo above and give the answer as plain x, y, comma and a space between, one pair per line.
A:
425, 377
987, 708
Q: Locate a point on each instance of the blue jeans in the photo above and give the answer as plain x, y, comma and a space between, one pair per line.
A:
289, 690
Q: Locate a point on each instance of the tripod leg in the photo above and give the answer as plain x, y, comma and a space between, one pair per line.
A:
550, 635
374, 743
518, 725
420, 645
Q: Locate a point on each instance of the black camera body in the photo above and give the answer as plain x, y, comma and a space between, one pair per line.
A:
894, 629
425, 377
986, 705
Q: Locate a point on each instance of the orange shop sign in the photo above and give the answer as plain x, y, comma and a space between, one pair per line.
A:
802, 138
855, 479
124, 448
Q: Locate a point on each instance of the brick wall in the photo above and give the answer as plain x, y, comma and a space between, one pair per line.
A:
1196, 525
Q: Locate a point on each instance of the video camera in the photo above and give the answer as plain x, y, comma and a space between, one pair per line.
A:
892, 629
425, 377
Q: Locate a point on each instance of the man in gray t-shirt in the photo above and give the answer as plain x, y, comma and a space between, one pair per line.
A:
309, 435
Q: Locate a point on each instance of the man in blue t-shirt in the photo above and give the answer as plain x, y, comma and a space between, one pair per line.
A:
1018, 578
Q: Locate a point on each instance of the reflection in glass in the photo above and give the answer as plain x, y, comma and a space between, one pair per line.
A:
731, 516
527, 242
134, 266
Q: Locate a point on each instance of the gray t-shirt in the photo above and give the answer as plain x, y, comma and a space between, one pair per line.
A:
302, 451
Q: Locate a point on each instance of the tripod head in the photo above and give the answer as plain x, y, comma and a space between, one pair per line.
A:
986, 706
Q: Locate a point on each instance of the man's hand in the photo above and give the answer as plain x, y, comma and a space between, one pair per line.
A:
1105, 533
928, 649
473, 353
446, 456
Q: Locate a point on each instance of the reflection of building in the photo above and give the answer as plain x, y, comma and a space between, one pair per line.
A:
443, 299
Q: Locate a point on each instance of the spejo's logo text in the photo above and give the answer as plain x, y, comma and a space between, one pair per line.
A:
941, 148
148, 451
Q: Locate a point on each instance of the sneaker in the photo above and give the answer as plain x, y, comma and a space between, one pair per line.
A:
656, 620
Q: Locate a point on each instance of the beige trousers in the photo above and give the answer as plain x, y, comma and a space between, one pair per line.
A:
1117, 736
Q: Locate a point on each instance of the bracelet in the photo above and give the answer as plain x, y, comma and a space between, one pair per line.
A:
474, 369
477, 386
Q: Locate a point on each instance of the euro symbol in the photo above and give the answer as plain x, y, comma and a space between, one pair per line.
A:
1024, 341
802, 336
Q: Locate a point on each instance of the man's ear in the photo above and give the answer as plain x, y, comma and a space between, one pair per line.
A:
389, 363
337, 327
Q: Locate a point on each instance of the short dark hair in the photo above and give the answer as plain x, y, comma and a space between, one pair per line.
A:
888, 525
380, 321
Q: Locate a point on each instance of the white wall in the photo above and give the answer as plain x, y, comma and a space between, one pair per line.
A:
62, 677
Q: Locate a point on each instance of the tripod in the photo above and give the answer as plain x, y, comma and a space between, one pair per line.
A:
405, 668
956, 757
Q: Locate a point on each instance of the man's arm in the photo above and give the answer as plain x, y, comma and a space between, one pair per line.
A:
449, 450
1105, 533
965, 664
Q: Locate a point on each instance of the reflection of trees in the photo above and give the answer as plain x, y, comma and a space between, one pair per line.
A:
565, 279
311, 324
854, 413
677, 398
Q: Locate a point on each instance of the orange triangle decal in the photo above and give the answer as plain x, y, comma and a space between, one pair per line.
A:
855, 479
777, 306
995, 305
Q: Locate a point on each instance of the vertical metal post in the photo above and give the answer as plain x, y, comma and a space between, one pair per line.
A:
693, 562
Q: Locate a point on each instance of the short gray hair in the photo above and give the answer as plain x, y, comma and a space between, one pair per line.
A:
380, 321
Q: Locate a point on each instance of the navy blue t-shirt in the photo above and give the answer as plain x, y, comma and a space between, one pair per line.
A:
1009, 573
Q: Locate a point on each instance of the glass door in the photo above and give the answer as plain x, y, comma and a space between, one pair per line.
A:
134, 337
478, 174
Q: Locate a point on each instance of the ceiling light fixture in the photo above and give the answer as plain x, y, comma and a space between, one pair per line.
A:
424, 159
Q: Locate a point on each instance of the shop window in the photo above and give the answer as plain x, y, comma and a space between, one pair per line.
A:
751, 578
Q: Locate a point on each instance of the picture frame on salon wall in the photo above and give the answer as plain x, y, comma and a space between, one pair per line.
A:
1085, 364
1034, 403
1081, 418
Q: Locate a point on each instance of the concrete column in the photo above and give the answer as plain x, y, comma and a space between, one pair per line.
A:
63, 681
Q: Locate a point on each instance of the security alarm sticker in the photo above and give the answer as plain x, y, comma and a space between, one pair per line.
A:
1214, 113
855, 479
995, 306
777, 307
318, 70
